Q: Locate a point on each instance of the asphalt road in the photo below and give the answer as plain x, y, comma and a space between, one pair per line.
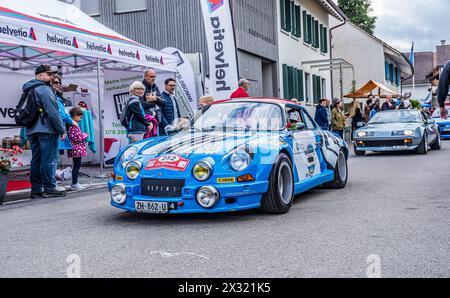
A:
396, 207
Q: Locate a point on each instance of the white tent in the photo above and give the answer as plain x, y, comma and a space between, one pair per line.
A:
34, 32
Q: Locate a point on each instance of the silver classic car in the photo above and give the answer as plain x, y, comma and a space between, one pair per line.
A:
401, 130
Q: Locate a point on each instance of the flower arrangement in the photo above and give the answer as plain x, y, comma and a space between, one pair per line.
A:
8, 159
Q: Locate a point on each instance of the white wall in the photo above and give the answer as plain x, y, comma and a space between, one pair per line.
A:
294, 51
421, 90
365, 53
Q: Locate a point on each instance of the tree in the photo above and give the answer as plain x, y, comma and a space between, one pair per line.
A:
358, 12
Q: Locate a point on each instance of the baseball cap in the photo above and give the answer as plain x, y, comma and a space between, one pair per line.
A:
45, 68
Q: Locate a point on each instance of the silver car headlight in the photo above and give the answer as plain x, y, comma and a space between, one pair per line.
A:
202, 170
408, 132
128, 155
133, 169
240, 160
361, 134
119, 194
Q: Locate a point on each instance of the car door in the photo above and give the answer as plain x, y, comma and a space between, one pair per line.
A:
305, 149
430, 127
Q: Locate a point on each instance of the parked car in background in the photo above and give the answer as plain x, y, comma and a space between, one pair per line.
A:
402, 130
444, 124
233, 155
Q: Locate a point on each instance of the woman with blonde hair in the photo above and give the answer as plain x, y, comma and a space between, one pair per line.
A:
138, 125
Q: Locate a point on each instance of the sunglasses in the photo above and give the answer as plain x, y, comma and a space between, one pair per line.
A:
56, 83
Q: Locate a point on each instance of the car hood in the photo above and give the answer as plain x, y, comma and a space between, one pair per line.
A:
441, 121
391, 127
206, 143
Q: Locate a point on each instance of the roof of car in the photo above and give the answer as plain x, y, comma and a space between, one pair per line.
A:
259, 99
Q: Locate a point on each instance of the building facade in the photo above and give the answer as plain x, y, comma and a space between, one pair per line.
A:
303, 36
371, 58
179, 24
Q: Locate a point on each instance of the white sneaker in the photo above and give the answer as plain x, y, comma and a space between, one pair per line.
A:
77, 187
60, 188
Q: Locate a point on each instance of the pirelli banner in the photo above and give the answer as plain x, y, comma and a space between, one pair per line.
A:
223, 69
57, 26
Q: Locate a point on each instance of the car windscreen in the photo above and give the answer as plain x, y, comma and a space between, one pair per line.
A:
405, 116
239, 116
437, 113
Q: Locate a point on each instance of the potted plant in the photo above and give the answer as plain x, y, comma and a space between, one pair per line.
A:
8, 159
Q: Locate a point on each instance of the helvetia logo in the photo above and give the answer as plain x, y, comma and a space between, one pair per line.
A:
130, 54
75, 43
109, 49
154, 59
32, 34
214, 5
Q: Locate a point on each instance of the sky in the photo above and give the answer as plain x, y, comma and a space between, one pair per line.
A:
400, 22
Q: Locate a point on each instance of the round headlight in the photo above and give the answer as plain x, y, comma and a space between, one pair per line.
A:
408, 132
132, 169
208, 196
240, 160
202, 171
129, 154
362, 134
118, 194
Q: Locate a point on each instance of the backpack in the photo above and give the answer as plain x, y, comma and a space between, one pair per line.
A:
124, 116
27, 111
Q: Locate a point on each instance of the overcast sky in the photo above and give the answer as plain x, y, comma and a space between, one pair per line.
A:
402, 21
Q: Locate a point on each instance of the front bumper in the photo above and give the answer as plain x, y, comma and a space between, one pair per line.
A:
386, 144
445, 132
233, 197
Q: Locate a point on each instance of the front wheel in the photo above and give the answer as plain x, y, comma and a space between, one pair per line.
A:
423, 146
279, 197
340, 173
437, 145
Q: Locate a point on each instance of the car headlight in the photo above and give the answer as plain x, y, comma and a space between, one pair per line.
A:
128, 155
361, 134
119, 194
240, 160
202, 170
408, 132
132, 169
207, 196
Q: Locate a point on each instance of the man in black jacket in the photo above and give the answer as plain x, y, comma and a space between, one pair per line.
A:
444, 84
152, 100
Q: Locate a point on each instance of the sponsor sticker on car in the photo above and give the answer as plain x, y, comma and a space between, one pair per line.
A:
226, 180
171, 162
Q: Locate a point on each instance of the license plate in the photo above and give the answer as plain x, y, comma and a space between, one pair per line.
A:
151, 207
446, 129
400, 147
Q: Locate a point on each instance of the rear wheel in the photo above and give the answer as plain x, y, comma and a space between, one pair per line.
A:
423, 147
340, 173
438, 143
280, 195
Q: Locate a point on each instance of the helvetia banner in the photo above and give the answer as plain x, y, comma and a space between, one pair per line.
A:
221, 47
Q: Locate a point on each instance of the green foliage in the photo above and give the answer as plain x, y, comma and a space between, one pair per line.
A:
358, 12
415, 104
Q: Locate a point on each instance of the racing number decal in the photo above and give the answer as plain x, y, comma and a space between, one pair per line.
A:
306, 160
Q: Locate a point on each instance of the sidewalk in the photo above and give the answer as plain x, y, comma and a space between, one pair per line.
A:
89, 178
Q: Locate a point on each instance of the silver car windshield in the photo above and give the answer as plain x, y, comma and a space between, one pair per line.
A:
403, 116
239, 116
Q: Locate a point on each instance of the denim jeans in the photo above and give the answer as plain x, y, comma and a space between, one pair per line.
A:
44, 148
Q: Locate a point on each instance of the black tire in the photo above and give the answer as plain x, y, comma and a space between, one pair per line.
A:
437, 145
423, 147
359, 153
339, 181
272, 201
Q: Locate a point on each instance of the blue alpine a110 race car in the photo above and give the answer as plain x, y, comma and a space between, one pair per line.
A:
233, 155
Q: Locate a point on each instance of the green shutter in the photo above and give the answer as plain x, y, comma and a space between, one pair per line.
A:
319, 88
295, 84
316, 34
305, 26
300, 84
290, 82
313, 36
321, 37
288, 15
310, 31
293, 20
314, 89
298, 22
325, 40
283, 14
285, 81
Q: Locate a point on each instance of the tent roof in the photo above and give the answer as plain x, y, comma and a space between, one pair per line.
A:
367, 90
51, 29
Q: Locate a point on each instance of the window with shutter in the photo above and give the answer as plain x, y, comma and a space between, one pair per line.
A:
300, 84
305, 27
285, 81
290, 82
316, 34
310, 31
297, 21
325, 40
321, 38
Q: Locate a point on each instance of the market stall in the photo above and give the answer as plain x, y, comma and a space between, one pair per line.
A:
97, 65
373, 88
